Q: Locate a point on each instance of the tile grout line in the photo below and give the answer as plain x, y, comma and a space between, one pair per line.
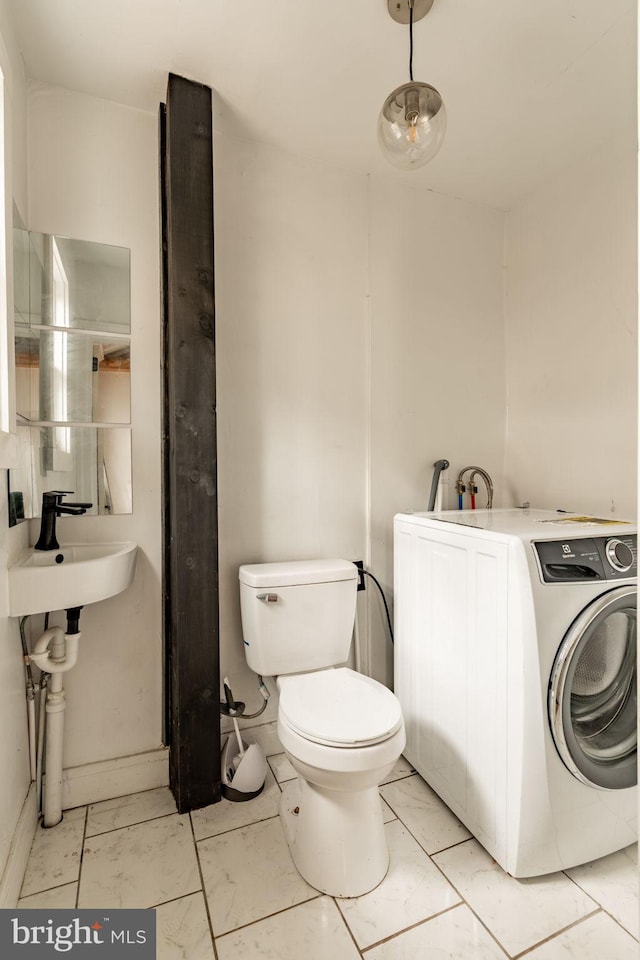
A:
349, 930
203, 890
462, 897
420, 844
276, 913
134, 823
36, 893
163, 903
618, 922
591, 897
553, 936
224, 833
418, 923
604, 910
121, 796
84, 837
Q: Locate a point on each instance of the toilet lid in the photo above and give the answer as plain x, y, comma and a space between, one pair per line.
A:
339, 708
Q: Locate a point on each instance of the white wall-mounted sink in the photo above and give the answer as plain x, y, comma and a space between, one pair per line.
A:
71, 576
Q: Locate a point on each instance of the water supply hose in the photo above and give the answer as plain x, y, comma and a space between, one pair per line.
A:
472, 488
487, 482
235, 708
384, 599
31, 725
31, 702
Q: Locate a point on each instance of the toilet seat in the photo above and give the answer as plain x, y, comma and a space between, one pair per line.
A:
339, 708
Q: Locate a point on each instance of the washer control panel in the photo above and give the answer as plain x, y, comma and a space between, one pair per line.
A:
587, 558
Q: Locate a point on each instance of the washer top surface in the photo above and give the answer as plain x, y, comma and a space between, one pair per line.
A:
525, 524
339, 707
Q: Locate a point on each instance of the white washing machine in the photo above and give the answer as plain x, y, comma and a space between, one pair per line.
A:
515, 665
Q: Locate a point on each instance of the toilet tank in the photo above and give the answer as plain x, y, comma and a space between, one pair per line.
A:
297, 616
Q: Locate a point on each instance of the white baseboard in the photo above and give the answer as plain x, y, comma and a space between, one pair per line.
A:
92, 782
19, 851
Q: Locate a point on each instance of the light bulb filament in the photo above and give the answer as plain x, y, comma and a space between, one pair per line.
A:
412, 112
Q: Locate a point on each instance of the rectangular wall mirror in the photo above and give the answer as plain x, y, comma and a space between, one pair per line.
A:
73, 373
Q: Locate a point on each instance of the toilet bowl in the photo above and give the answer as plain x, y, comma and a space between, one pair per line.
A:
343, 733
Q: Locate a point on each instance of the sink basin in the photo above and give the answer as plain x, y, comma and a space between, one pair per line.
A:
72, 576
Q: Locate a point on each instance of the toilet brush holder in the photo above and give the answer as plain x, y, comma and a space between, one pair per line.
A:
243, 766
244, 769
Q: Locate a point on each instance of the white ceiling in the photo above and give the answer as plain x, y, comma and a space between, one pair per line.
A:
529, 85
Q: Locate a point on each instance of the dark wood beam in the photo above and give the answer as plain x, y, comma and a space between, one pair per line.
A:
189, 447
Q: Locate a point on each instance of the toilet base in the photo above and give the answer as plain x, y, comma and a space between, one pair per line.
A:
336, 839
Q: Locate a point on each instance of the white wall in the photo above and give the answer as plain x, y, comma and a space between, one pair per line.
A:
340, 381
14, 762
291, 262
437, 365
572, 333
93, 176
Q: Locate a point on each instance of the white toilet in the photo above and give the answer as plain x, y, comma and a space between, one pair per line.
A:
342, 731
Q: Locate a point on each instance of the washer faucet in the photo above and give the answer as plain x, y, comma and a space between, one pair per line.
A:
487, 482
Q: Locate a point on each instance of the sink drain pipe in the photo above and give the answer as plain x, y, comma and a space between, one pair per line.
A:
55, 652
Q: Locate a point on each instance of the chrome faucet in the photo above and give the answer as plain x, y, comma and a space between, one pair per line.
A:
52, 507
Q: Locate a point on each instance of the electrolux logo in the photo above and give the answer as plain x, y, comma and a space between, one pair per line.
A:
82, 933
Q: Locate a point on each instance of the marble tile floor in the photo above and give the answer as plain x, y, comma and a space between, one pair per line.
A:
224, 887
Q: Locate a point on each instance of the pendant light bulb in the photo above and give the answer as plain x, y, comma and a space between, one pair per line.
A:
411, 125
412, 122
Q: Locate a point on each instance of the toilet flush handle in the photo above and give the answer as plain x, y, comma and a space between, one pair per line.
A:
268, 597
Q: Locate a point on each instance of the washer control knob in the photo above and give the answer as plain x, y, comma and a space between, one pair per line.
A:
619, 555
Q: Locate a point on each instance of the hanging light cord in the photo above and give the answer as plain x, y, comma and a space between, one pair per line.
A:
411, 40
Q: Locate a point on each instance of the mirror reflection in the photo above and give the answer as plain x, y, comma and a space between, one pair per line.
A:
72, 365
72, 377
78, 284
93, 462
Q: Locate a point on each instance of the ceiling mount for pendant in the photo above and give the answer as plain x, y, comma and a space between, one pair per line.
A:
399, 9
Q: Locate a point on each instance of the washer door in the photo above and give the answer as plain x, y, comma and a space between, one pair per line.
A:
593, 693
